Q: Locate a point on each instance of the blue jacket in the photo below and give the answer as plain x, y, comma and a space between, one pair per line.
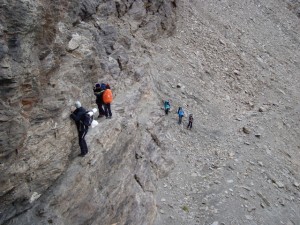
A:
180, 112
167, 105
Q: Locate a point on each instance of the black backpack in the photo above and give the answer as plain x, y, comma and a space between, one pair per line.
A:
86, 119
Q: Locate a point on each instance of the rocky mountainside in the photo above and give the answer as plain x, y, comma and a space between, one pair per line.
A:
234, 65
52, 53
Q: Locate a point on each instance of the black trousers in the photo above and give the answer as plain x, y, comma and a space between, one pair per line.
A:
107, 110
180, 119
167, 111
82, 142
190, 125
100, 108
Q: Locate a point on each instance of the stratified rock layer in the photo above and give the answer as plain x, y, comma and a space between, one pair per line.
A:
51, 54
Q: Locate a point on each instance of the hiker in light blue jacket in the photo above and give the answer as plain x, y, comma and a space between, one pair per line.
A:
180, 114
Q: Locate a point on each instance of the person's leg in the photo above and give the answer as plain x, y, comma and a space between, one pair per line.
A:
108, 110
100, 108
82, 142
191, 125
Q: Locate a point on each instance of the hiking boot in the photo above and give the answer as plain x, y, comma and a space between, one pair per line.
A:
81, 155
100, 116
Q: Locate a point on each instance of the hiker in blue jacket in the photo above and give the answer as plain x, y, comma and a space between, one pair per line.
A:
77, 115
167, 106
180, 113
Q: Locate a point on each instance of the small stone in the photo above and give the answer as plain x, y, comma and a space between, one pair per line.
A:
261, 109
236, 72
246, 130
178, 85
163, 199
74, 42
34, 197
296, 184
260, 163
258, 135
194, 175
280, 184
250, 209
162, 211
243, 197
215, 223
229, 182
246, 143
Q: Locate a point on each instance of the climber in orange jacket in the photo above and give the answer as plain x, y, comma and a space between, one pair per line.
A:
107, 99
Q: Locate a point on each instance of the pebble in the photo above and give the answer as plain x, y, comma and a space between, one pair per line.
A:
163, 199
296, 184
243, 197
236, 72
229, 182
280, 184
258, 135
215, 223
162, 211
246, 130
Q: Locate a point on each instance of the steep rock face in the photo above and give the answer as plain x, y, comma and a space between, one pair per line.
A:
51, 53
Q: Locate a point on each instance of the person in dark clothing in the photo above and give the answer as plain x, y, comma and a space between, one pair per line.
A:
81, 128
191, 119
107, 109
98, 92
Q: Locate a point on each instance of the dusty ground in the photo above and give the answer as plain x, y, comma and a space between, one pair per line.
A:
238, 68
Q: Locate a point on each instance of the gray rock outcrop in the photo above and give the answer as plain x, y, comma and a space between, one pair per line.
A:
51, 54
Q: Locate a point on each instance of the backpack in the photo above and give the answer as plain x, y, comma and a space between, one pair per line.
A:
87, 119
103, 86
107, 96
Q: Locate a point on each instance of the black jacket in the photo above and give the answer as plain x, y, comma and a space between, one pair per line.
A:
98, 92
76, 116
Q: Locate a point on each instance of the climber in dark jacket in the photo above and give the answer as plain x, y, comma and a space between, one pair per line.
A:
77, 115
98, 92
191, 119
